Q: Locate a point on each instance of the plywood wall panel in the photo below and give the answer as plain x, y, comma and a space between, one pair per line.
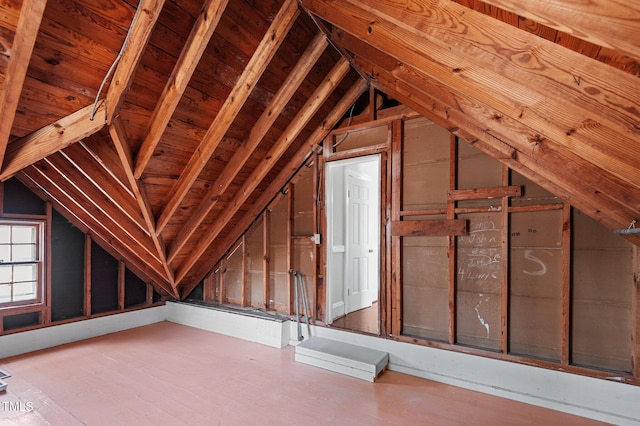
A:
255, 264
425, 173
303, 220
278, 254
425, 288
476, 169
479, 283
532, 194
361, 138
535, 276
233, 275
602, 286
533, 327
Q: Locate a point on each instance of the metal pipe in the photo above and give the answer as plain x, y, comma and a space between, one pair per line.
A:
303, 290
297, 303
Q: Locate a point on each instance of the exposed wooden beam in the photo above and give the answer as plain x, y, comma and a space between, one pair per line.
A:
281, 179
239, 94
92, 195
292, 131
51, 138
479, 193
118, 135
86, 169
25, 38
190, 56
139, 34
609, 201
590, 108
607, 23
262, 126
54, 187
433, 227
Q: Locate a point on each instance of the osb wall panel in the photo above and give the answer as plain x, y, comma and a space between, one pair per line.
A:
425, 179
425, 285
479, 281
535, 291
601, 296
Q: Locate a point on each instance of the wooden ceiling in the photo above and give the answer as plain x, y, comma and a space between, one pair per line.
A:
164, 128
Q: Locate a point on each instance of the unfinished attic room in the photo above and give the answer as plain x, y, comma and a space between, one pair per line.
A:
319, 211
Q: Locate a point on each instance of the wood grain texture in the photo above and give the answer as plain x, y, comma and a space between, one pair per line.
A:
258, 132
606, 23
334, 77
421, 228
280, 180
455, 110
522, 76
139, 35
25, 39
234, 102
92, 221
479, 193
51, 138
181, 75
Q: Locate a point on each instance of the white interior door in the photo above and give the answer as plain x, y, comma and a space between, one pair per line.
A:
359, 247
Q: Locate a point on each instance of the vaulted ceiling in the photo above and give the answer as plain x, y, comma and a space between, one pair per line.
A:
162, 128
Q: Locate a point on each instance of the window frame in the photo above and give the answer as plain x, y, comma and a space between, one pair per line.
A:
40, 262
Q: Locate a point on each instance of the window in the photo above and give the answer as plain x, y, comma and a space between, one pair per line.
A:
21, 262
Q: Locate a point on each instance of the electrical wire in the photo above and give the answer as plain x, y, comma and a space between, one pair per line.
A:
115, 62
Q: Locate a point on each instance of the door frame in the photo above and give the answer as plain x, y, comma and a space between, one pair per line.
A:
336, 285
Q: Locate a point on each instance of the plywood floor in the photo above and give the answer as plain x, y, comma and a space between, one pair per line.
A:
169, 374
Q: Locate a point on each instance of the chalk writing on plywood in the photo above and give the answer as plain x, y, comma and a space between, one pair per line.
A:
479, 262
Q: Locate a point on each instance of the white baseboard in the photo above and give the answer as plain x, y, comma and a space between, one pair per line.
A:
598, 399
46, 337
590, 397
271, 332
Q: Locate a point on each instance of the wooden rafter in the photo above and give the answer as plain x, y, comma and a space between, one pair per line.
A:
292, 131
118, 135
239, 94
282, 178
262, 126
58, 187
87, 168
197, 42
77, 185
527, 79
555, 169
26, 33
52, 138
138, 37
47, 190
606, 23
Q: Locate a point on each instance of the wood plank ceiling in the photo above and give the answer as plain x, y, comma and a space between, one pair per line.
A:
162, 128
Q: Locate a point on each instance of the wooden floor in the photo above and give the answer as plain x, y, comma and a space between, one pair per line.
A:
169, 374
364, 320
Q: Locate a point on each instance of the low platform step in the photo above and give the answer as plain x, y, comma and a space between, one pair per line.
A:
352, 360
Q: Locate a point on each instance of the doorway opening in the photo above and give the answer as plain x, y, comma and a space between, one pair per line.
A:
353, 243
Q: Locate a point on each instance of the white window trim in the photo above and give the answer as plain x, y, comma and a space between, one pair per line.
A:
40, 262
